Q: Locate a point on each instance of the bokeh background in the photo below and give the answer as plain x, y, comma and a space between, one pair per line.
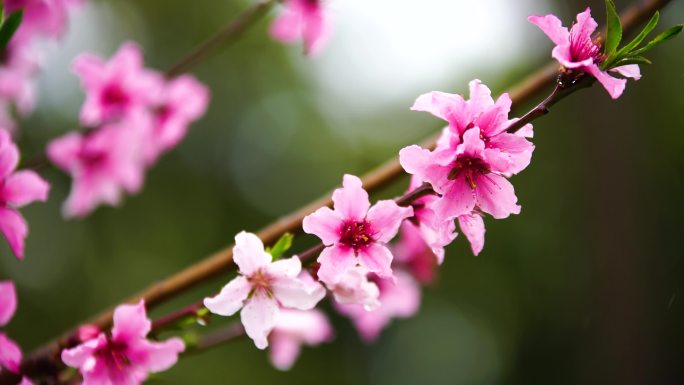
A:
586, 286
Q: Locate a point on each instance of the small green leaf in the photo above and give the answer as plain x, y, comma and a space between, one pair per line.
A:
632, 60
282, 246
663, 37
9, 27
614, 35
641, 36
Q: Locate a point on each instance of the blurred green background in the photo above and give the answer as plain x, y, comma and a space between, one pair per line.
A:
584, 287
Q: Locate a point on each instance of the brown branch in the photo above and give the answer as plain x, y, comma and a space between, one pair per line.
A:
221, 261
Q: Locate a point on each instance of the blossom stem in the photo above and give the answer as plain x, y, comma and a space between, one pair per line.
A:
229, 333
221, 261
227, 35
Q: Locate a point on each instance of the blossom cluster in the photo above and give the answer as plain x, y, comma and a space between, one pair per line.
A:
132, 115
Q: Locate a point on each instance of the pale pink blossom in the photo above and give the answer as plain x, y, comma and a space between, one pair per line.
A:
10, 353
103, 163
467, 177
126, 357
305, 20
42, 18
118, 87
354, 287
182, 101
262, 288
17, 189
17, 88
399, 298
354, 232
576, 50
293, 329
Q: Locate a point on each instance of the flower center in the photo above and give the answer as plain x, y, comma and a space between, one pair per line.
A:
582, 48
261, 282
114, 96
469, 167
114, 355
356, 235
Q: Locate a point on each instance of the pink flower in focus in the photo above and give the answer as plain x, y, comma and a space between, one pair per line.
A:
117, 88
354, 232
576, 50
294, 328
126, 357
182, 101
353, 287
10, 353
302, 19
103, 163
261, 288
400, 299
17, 189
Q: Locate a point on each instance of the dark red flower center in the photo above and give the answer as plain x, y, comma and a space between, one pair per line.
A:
468, 167
114, 355
583, 48
356, 235
114, 96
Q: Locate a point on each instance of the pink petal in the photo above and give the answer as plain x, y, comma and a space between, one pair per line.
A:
314, 31
9, 155
480, 96
287, 27
294, 294
552, 27
163, 355
614, 86
377, 259
259, 316
473, 227
15, 230
514, 152
8, 301
472, 144
585, 25
563, 54
457, 200
325, 224
284, 350
449, 107
128, 58
90, 68
285, 268
311, 326
249, 253
24, 187
420, 162
130, 322
495, 196
351, 201
64, 151
354, 288
231, 297
335, 260
629, 71
25, 381
10, 354
385, 217
76, 357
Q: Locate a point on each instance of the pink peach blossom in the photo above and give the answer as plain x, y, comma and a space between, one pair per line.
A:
354, 288
127, 356
103, 163
46, 18
293, 329
399, 298
414, 255
118, 87
262, 288
576, 50
17, 189
302, 19
10, 353
182, 101
354, 232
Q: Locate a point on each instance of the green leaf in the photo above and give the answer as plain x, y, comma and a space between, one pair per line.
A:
282, 246
632, 60
614, 35
640, 37
9, 27
663, 37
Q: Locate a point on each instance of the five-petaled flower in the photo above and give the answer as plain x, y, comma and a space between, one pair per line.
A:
17, 189
302, 19
576, 50
354, 232
124, 357
262, 287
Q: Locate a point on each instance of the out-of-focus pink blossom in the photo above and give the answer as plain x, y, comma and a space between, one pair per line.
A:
305, 20
293, 329
17, 87
182, 101
576, 50
103, 163
17, 189
10, 353
414, 254
127, 356
399, 298
42, 18
117, 88
262, 288
354, 232
354, 287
